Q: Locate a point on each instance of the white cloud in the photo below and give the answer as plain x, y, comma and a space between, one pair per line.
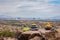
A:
29, 7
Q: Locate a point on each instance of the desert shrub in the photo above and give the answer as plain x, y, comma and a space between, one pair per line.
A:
16, 25
7, 34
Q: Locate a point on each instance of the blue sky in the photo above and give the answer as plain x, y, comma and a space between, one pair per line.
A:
30, 8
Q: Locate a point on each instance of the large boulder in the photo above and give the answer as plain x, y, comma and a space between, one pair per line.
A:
36, 36
52, 35
40, 35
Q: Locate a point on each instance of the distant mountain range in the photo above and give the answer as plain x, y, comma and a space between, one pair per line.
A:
3, 17
20, 18
56, 17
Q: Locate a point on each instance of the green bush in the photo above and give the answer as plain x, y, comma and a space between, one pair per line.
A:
7, 33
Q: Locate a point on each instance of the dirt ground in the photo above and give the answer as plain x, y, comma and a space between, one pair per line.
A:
52, 35
10, 38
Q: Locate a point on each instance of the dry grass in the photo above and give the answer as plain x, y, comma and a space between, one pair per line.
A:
13, 26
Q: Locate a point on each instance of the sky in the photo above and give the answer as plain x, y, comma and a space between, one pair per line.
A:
30, 8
